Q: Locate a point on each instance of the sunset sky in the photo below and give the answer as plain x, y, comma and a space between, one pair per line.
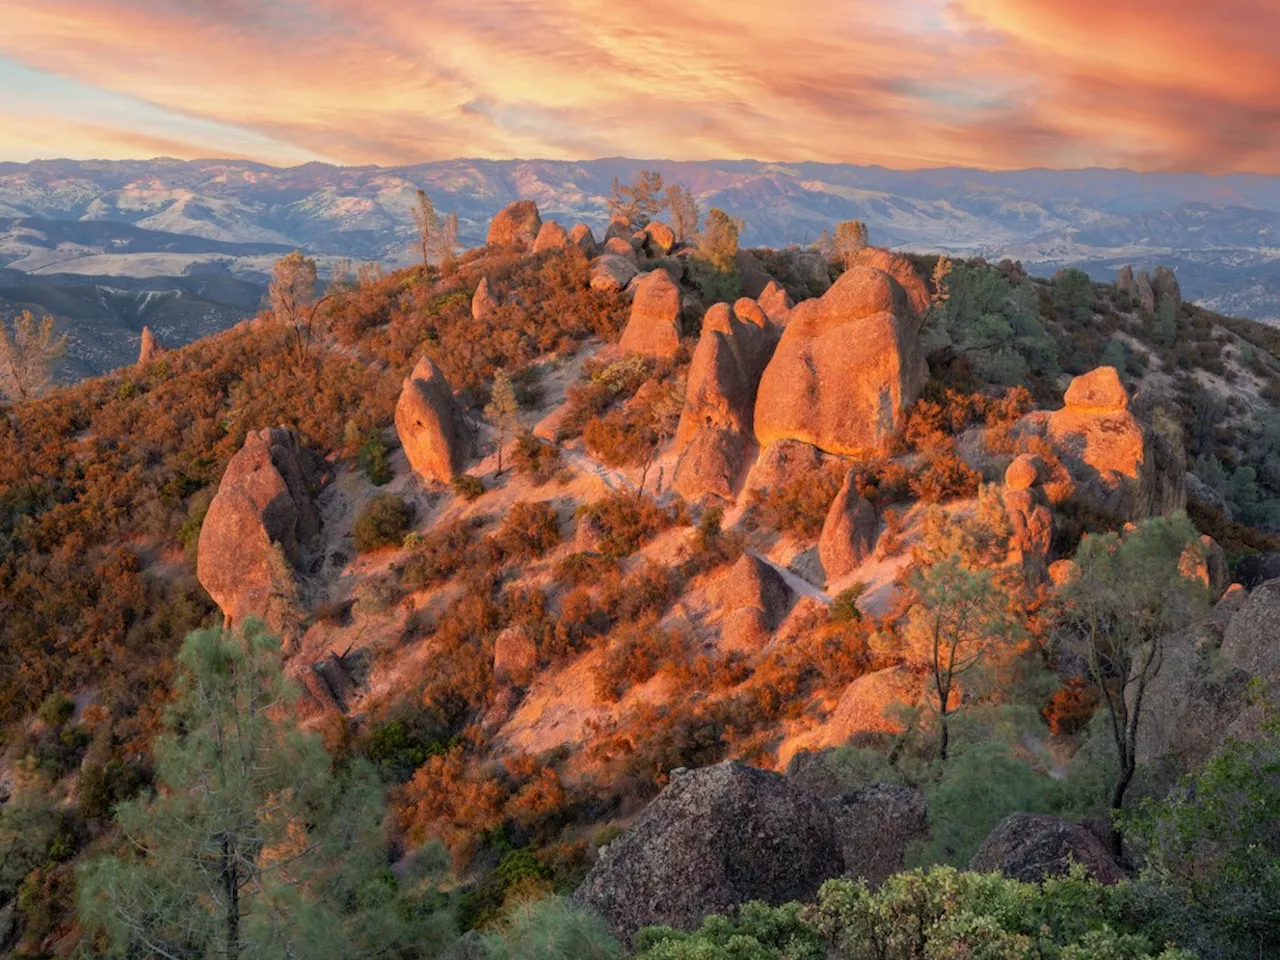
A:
1148, 84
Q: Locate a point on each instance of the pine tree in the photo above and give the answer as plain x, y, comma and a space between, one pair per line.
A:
638, 202
684, 212
293, 300
502, 409
427, 221
253, 846
27, 356
850, 239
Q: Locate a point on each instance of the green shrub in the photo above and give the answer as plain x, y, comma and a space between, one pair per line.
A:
467, 487
373, 460
382, 523
552, 930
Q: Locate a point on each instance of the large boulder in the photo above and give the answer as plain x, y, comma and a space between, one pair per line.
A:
782, 463
551, 236
428, 424
752, 274
755, 599
848, 366
582, 238
1257, 568
1145, 292
1165, 284
618, 247
776, 303
902, 270
1125, 282
849, 531
654, 328
659, 239
259, 526
1122, 467
611, 273
515, 226
715, 425
1033, 847
876, 825
714, 839
1252, 638
484, 302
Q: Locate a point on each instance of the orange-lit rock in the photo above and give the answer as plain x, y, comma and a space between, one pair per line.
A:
427, 422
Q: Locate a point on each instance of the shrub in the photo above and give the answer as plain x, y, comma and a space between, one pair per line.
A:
535, 458
382, 523
467, 487
635, 653
799, 506
578, 569
625, 522
529, 529
373, 460
552, 930
945, 477
439, 555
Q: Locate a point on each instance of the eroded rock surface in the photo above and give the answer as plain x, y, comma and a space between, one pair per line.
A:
1033, 847
515, 226
428, 424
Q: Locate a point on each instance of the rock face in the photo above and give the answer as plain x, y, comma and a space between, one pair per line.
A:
515, 226
1145, 292
1165, 284
755, 279
582, 238
1250, 639
1257, 569
427, 423
776, 304
902, 270
782, 463
659, 239
150, 349
1032, 847
714, 839
551, 236
515, 656
262, 500
612, 273
876, 825
654, 328
1030, 520
848, 533
1111, 455
848, 366
483, 302
619, 247
1125, 283
715, 424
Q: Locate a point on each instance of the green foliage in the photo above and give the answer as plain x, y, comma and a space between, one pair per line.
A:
1211, 850
1073, 294
1166, 325
716, 261
638, 202
993, 322
844, 607
552, 929
382, 523
255, 846
56, 709
502, 409
399, 746
373, 460
939, 914
467, 487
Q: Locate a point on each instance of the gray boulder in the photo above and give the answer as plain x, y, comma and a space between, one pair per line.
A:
1032, 847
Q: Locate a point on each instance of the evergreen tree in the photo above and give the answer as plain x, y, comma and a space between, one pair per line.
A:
716, 261
254, 846
639, 202
684, 212
850, 239
502, 409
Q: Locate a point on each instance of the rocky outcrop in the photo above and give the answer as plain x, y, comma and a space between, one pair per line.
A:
849, 532
1165, 284
1030, 520
1258, 568
582, 238
654, 328
776, 304
755, 599
846, 369
150, 348
659, 239
515, 226
429, 425
782, 463
259, 526
1125, 282
551, 236
1122, 468
902, 270
1197, 491
483, 302
1033, 847
611, 273
515, 656
1250, 639
714, 839
1145, 293
618, 247
876, 825
618, 227
754, 278
714, 433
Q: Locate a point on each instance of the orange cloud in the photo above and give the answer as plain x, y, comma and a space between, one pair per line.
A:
994, 83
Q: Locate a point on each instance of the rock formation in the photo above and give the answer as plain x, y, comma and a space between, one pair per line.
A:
776, 304
849, 532
714, 839
428, 424
1030, 520
1125, 283
902, 270
150, 349
654, 328
658, 239
1250, 638
1145, 292
619, 247
483, 302
754, 278
258, 528
551, 236
515, 226
876, 824
1113, 457
582, 237
715, 425
1032, 847
782, 463
1165, 284
612, 273
848, 366
755, 600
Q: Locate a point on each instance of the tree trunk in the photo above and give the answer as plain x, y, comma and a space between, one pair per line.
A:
232, 950
1117, 805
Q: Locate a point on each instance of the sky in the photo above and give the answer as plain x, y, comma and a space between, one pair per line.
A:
1146, 84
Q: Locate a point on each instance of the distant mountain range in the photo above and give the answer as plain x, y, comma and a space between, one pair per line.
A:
216, 226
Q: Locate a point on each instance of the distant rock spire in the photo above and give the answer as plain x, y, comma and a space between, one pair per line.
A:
150, 348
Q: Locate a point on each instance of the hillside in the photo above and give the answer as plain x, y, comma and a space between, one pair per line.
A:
562, 526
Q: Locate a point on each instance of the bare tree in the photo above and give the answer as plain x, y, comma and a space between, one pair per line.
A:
1128, 597
684, 212
850, 239
427, 221
27, 356
294, 302
958, 620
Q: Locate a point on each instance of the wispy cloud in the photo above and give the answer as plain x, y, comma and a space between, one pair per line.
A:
1000, 83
